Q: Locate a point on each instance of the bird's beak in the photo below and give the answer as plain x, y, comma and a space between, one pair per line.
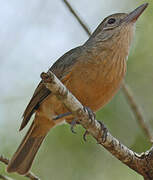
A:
134, 15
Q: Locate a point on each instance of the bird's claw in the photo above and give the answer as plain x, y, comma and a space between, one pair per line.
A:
72, 125
92, 117
91, 114
85, 135
105, 131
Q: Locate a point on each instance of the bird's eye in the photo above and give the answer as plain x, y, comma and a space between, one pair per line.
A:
111, 21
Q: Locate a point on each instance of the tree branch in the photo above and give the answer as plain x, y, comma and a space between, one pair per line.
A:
137, 111
130, 99
29, 175
5, 177
84, 26
143, 164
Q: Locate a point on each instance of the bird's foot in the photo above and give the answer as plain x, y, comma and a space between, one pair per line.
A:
105, 131
85, 135
73, 124
92, 116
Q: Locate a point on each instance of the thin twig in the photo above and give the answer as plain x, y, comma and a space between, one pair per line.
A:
4, 160
131, 101
137, 111
5, 177
85, 27
143, 164
30, 175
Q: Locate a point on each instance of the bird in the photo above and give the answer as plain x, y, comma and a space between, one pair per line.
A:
93, 72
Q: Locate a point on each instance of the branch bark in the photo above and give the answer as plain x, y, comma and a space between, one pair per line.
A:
127, 93
29, 175
142, 164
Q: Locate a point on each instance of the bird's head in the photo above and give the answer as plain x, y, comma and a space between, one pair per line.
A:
117, 29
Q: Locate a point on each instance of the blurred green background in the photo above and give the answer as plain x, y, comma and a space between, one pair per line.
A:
33, 35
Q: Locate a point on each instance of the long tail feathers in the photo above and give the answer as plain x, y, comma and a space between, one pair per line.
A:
26, 152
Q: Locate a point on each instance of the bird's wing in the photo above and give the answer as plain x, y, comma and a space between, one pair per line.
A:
60, 68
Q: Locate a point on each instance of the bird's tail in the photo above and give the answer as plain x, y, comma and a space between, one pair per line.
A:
26, 152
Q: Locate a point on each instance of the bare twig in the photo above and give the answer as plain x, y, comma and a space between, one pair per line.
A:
84, 26
131, 101
5, 177
4, 160
137, 111
143, 164
30, 175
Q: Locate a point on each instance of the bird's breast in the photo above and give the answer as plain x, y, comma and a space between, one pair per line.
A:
94, 84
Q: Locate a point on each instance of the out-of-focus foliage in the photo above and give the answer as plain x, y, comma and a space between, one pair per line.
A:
33, 35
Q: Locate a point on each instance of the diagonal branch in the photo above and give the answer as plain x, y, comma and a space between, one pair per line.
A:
84, 26
137, 111
130, 99
5, 177
143, 164
29, 175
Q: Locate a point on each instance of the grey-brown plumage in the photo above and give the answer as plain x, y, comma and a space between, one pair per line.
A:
60, 68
